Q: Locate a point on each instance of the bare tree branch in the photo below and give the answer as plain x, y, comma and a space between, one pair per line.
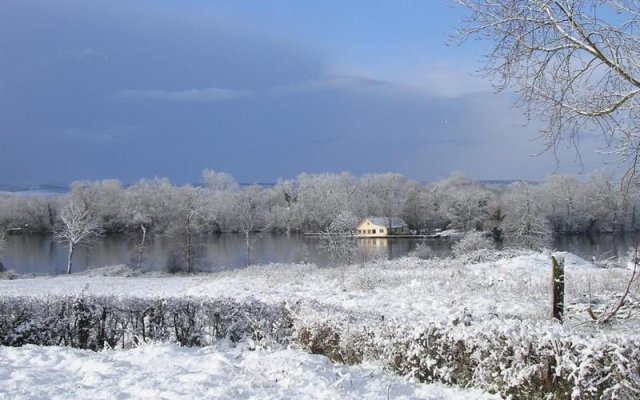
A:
573, 62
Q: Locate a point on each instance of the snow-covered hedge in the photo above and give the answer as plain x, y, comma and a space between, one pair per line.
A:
93, 322
518, 359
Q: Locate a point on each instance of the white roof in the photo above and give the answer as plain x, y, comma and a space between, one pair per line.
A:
393, 222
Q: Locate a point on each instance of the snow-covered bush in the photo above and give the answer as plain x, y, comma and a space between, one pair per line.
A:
519, 359
474, 246
325, 340
422, 251
95, 322
7, 274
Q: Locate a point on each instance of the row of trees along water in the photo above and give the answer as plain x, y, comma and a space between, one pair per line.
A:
518, 215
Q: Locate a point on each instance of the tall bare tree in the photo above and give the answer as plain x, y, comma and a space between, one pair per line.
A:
574, 63
248, 214
3, 245
78, 225
187, 227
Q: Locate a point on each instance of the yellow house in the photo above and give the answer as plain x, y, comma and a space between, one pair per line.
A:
382, 226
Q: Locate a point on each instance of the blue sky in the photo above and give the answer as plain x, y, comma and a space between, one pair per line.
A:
259, 89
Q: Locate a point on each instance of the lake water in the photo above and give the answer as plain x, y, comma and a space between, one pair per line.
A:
39, 254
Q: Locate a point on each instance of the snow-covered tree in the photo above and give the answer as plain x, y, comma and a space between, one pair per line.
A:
31, 214
524, 224
574, 63
283, 212
605, 204
77, 226
188, 224
384, 194
494, 221
563, 196
468, 205
157, 200
457, 202
106, 201
339, 238
140, 215
248, 215
414, 208
323, 196
219, 181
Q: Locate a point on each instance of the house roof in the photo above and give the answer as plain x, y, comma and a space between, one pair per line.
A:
393, 222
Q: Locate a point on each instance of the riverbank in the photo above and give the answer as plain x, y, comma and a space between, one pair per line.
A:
510, 284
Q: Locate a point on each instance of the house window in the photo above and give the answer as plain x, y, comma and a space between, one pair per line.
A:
381, 230
374, 231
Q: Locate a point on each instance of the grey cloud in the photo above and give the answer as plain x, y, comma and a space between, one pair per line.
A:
330, 83
110, 135
190, 95
446, 79
211, 94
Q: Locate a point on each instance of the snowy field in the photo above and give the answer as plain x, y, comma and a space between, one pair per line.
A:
407, 289
216, 372
508, 293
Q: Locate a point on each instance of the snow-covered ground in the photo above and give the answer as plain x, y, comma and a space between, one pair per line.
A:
409, 291
166, 371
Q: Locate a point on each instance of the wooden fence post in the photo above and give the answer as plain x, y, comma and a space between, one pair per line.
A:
557, 285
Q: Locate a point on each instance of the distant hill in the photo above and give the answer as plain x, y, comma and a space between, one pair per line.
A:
503, 183
33, 190
56, 190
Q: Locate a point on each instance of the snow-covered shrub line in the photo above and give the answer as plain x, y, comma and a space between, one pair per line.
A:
95, 322
519, 359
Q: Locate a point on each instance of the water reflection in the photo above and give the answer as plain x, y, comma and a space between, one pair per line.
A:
600, 246
39, 254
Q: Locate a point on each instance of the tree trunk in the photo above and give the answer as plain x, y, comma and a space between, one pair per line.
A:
557, 284
187, 246
142, 244
248, 245
69, 258
52, 219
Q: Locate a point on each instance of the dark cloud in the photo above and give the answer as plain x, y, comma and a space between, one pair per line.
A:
90, 90
189, 95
